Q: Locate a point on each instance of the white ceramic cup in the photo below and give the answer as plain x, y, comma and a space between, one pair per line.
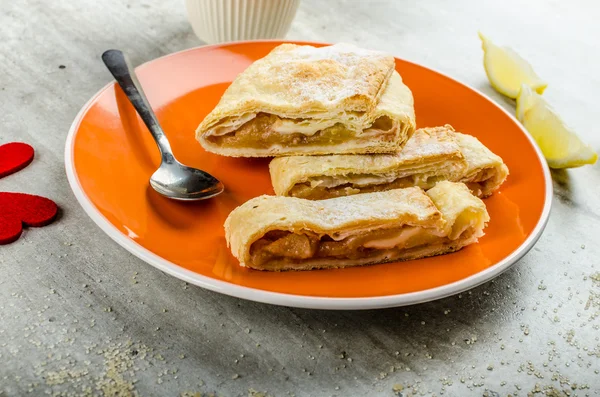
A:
218, 21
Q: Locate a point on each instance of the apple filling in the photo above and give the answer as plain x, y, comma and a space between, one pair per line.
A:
325, 187
320, 188
264, 131
278, 249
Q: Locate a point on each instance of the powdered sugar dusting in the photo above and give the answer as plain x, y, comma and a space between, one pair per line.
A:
320, 76
337, 52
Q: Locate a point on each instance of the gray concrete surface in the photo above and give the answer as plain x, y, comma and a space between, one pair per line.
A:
81, 316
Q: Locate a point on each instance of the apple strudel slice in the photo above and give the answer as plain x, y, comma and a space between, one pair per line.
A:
304, 100
286, 233
431, 155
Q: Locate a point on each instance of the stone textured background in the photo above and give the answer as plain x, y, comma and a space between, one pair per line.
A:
81, 316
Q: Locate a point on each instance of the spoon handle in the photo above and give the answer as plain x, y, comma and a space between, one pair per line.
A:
124, 74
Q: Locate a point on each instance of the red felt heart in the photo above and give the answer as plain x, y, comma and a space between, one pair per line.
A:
14, 156
18, 209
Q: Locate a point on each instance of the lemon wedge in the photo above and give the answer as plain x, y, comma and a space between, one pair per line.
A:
560, 145
507, 70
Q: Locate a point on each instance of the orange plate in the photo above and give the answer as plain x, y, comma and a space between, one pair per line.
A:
110, 156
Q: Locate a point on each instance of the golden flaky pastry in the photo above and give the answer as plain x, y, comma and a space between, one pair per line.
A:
287, 233
431, 155
301, 100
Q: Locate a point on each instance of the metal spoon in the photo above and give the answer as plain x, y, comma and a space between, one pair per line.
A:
172, 179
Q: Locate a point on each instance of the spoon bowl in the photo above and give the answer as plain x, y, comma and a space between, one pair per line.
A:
180, 182
172, 179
